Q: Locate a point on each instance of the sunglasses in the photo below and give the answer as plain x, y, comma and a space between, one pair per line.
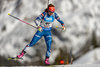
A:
50, 11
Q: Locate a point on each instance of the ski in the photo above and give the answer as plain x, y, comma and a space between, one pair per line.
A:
15, 58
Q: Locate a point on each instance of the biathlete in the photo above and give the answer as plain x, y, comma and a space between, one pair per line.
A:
44, 29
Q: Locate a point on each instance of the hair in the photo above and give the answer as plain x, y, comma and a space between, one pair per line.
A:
50, 5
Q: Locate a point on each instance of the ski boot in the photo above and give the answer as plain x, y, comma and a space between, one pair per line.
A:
21, 54
47, 61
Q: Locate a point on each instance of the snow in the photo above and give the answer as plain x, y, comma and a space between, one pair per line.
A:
81, 19
89, 58
79, 65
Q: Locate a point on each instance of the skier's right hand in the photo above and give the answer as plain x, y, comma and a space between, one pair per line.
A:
39, 28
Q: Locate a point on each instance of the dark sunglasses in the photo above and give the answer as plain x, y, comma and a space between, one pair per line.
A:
50, 11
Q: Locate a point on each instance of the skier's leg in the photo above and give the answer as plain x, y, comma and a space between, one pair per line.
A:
23, 52
35, 38
48, 40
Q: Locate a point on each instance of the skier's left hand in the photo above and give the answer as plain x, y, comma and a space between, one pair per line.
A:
63, 28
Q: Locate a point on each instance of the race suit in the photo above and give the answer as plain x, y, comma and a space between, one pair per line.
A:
46, 24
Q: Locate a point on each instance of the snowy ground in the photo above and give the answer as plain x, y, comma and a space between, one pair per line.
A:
81, 65
92, 56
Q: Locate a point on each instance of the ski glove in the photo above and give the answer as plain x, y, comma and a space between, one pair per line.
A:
63, 28
39, 28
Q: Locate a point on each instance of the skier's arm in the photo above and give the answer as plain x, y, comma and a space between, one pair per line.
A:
59, 20
39, 18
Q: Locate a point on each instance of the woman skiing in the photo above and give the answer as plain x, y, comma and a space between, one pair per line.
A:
44, 29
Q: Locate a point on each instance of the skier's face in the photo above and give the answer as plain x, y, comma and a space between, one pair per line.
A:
50, 13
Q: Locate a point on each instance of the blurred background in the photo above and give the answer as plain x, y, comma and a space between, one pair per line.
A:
82, 35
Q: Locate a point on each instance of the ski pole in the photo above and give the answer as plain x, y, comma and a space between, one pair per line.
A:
47, 3
59, 27
21, 20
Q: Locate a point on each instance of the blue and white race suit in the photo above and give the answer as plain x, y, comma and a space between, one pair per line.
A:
46, 24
